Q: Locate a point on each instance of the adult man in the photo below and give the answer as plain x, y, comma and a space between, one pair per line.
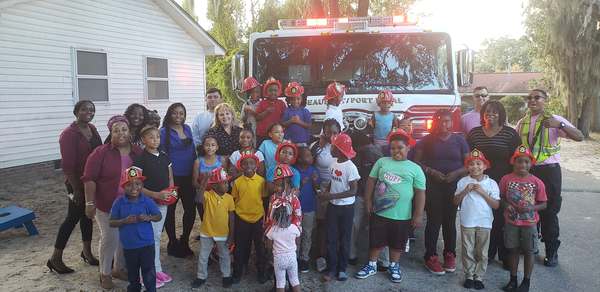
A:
472, 119
205, 119
541, 132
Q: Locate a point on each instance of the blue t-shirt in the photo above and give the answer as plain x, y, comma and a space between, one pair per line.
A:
268, 148
444, 156
307, 188
182, 152
383, 125
203, 168
295, 132
296, 178
139, 234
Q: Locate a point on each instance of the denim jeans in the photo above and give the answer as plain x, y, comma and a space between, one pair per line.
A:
339, 230
140, 259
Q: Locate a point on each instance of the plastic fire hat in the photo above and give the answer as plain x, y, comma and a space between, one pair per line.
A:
385, 96
477, 155
218, 175
334, 90
271, 81
343, 142
249, 83
171, 199
131, 174
282, 171
294, 89
522, 151
399, 132
238, 164
287, 144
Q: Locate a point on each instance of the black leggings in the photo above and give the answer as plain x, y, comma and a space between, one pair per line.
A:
186, 194
441, 212
75, 214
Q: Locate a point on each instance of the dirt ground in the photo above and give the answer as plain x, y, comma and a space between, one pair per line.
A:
23, 258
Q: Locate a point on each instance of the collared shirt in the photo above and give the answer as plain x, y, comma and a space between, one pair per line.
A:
469, 121
474, 210
202, 122
272, 118
215, 222
75, 148
247, 194
138, 234
103, 167
295, 132
227, 142
554, 134
155, 168
182, 152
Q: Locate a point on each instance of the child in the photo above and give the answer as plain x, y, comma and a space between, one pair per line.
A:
132, 214
310, 181
217, 227
269, 146
282, 238
156, 166
286, 153
269, 110
523, 195
334, 94
400, 185
246, 147
284, 192
340, 211
383, 121
253, 90
296, 118
248, 191
207, 161
476, 195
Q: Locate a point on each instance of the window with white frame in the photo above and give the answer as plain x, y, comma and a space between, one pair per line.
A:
92, 75
157, 78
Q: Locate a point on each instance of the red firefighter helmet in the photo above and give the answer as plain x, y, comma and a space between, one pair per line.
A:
171, 199
477, 155
282, 171
334, 90
343, 142
269, 82
399, 132
218, 175
287, 144
294, 89
238, 164
249, 83
522, 151
385, 96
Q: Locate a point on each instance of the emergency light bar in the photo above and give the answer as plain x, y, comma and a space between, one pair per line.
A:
346, 22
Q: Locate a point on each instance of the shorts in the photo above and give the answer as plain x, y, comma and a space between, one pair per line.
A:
388, 232
522, 237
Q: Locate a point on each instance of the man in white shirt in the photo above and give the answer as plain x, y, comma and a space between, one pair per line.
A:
204, 120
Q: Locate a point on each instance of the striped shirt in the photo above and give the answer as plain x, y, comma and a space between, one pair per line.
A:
497, 149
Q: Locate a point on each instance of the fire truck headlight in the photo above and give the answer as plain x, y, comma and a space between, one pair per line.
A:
360, 123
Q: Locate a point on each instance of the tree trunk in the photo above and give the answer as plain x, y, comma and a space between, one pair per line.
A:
316, 9
363, 8
572, 109
334, 8
596, 114
585, 121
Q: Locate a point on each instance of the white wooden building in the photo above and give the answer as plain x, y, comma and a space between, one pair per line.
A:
115, 52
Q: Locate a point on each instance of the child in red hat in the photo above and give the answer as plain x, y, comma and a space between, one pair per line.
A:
383, 121
476, 195
340, 193
132, 214
269, 110
523, 195
253, 90
217, 227
334, 94
296, 118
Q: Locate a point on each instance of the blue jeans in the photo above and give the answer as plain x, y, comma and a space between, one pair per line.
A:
136, 259
339, 228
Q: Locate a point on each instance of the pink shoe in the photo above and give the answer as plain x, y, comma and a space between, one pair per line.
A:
159, 283
163, 277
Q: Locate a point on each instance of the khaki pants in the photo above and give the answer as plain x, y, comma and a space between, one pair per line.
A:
475, 243
308, 224
206, 246
110, 245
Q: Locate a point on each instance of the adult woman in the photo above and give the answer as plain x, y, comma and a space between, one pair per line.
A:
137, 116
441, 154
497, 142
226, 129
101, 178
176, 140
76, 143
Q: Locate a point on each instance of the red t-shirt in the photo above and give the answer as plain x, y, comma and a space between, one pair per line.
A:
274, 117
522, 191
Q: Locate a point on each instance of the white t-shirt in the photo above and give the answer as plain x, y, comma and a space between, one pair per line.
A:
284, 239
474, 210
202, 122
335, 112
235, 156
341, 176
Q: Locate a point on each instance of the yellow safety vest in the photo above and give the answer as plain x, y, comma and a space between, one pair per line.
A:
542, 149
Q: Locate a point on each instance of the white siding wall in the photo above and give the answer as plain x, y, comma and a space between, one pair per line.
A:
36, 69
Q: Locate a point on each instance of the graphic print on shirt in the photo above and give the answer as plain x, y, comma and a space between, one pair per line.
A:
384, 196
521, 194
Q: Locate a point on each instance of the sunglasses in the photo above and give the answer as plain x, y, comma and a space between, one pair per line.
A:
532, 97
480, 95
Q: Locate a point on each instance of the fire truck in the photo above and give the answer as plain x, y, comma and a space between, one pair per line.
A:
367, 55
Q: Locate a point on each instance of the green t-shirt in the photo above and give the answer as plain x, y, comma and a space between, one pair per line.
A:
400, 179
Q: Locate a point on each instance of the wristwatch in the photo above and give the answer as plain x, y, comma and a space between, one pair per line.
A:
561, 126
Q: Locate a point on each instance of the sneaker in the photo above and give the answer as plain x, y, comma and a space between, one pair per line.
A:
468, 283
353, 261
227, 282
449, 262
198, 282
163, 277
478, 285
321, 264
303, 266
342, 276
365, 272
395, 273
433, 265
159, 283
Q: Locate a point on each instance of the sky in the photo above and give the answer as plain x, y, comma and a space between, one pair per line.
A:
469, 22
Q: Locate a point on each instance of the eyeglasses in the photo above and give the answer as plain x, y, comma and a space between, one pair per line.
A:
480, 95
532, 97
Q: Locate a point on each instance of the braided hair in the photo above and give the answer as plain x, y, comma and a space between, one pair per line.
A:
282, 215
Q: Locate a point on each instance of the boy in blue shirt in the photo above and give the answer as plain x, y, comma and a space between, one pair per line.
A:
308, 204
132, 214
296, 118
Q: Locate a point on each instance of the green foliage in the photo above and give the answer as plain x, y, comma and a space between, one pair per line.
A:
505, 55
515, 108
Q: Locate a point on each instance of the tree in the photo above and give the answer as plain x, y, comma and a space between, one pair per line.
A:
506, 55
565, 37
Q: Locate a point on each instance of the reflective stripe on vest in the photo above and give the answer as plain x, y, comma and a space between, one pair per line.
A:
540, 153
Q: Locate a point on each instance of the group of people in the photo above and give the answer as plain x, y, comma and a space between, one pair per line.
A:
263, 183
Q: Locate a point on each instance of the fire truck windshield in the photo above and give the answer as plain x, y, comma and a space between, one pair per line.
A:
365, 63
